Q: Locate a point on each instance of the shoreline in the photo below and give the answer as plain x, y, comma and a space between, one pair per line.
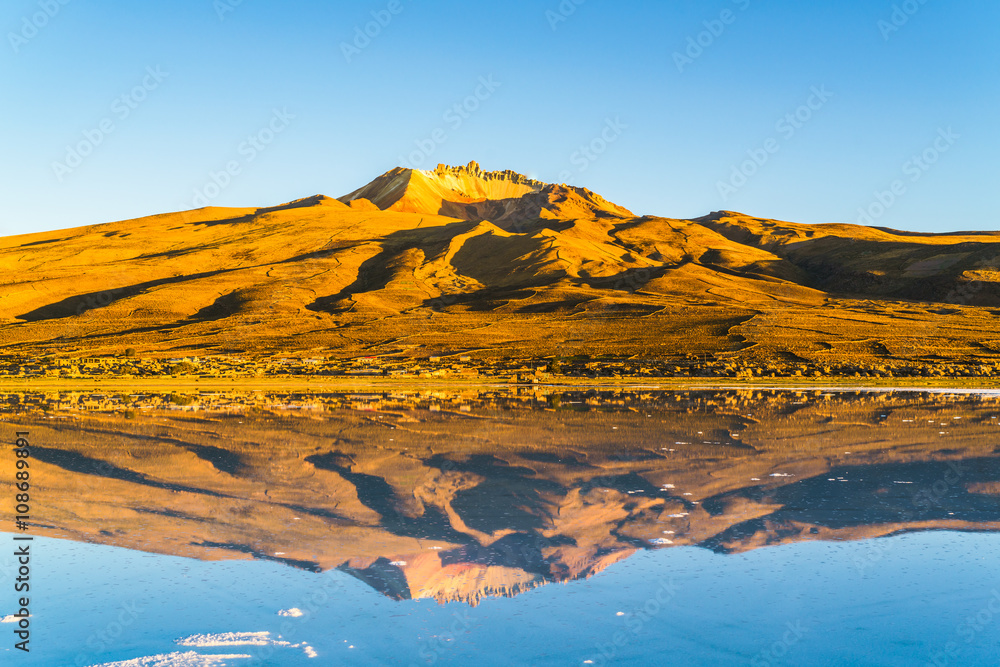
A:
313, 384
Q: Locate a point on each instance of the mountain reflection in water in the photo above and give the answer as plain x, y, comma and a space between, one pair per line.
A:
459, 496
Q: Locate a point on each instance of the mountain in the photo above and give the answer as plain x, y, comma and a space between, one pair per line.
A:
417, 263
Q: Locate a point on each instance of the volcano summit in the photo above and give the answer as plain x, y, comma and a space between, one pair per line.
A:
505, 198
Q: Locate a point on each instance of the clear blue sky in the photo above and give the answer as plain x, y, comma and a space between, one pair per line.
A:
679, 127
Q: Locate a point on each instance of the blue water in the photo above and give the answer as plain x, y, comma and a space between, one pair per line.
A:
918, 599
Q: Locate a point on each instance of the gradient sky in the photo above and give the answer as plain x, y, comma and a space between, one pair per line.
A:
681, 130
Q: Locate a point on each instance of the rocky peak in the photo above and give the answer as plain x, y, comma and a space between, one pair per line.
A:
474, 170
505, 198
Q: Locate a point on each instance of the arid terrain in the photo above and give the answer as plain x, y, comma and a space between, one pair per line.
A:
502, 268
457, 496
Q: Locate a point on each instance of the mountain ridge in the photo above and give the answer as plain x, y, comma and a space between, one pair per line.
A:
416, 263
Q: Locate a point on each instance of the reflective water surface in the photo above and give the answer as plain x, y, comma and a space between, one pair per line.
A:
539, 526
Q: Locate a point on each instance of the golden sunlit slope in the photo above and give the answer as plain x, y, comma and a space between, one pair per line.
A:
418, 262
